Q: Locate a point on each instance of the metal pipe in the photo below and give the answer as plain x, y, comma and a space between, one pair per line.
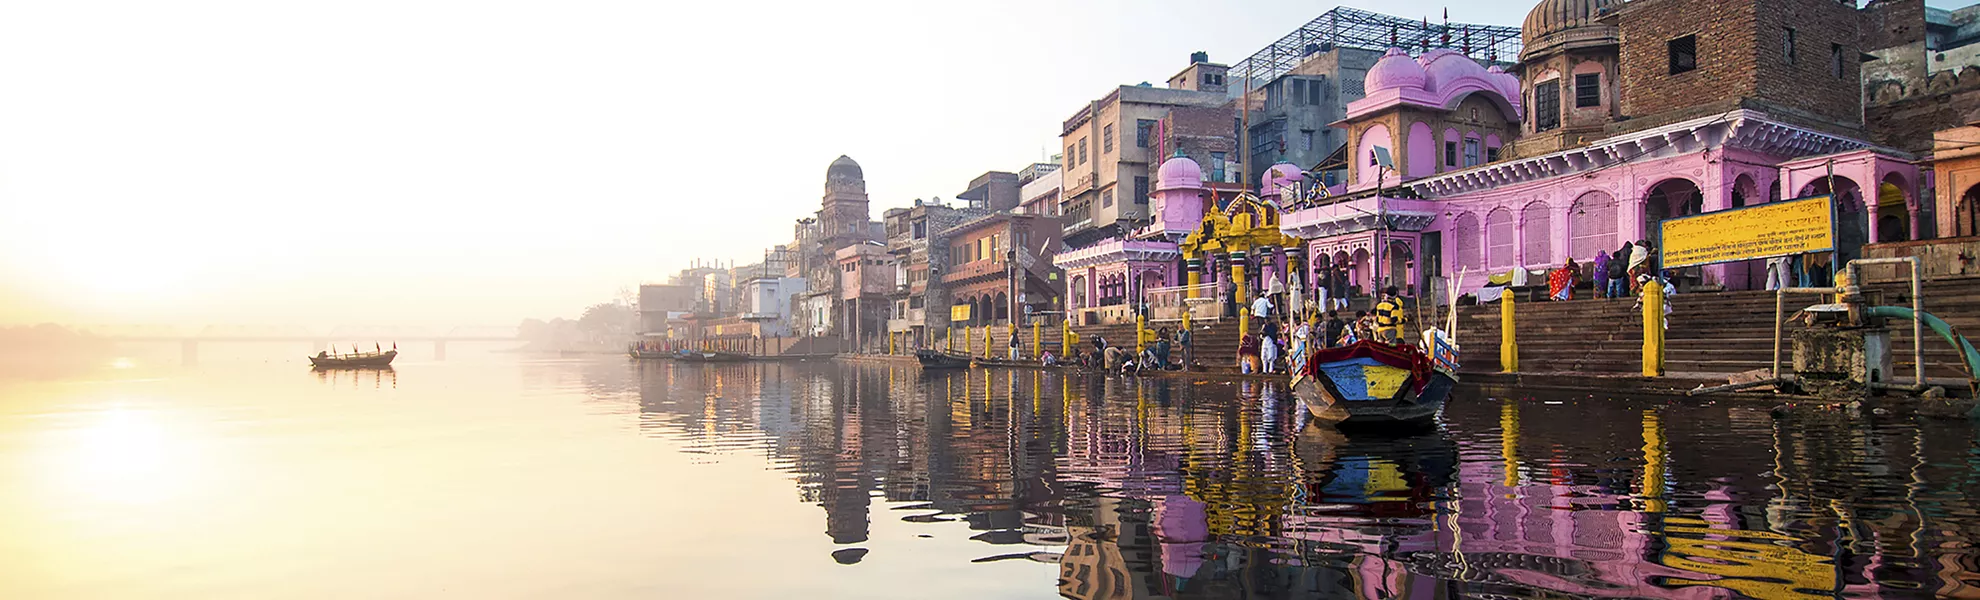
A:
1780, 305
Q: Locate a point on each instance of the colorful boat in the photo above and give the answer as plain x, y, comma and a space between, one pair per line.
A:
936, 359
362, 360
1373, 382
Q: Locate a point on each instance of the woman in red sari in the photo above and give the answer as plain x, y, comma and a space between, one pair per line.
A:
1560, 283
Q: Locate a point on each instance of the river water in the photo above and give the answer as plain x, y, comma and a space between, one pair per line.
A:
605, 478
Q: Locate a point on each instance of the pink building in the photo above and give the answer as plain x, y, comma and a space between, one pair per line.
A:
1586, 144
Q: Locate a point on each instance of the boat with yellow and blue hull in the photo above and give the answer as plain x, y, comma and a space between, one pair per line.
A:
1376, 383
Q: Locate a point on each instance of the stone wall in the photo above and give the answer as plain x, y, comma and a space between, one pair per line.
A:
1742, 60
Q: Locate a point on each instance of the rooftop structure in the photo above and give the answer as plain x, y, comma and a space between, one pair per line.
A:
1355, 28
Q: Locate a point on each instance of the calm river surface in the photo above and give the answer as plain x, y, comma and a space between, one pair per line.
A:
604, 478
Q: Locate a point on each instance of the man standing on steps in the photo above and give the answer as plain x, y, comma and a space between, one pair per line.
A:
1389, 317
1261, 308
1188, 342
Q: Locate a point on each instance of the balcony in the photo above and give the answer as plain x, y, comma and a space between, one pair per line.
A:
973, 269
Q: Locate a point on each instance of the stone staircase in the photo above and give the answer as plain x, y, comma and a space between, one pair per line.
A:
1709, 333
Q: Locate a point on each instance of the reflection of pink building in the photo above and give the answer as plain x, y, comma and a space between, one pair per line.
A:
1584, 144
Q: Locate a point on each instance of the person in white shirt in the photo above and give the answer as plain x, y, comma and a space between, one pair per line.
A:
1261, 308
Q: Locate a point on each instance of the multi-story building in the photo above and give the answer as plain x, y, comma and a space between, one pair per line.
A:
992, 191
866, 276
1002, 263
843, 219
766, 293
1110, 144
1039, 187
659, 303
920, 250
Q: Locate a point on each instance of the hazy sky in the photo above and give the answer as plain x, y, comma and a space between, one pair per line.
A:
472, 163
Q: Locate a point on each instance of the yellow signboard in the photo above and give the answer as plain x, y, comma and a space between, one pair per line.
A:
959, 312
1763, 231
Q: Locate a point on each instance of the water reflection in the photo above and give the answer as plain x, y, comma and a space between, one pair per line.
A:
1183, 489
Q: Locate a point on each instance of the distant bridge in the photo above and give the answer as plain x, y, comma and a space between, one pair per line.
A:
189, 339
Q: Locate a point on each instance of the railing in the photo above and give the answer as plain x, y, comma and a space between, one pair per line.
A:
1171, 303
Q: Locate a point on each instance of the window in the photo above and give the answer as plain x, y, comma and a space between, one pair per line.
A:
1070, 155
1216, 166
1471, 152
1144, 132
1547, 105
1492, 154
1107, 139
1450, 153
1141, 190
1587, 90
1306, 139
1313, 92
1836, 60
1107, 198
1684, 54
1787, 45
1298, 91
1082, 151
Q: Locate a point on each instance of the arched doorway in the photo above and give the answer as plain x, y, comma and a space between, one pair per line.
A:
1966, 215
1358, 275
1001, 306
1670, 199
1400, 258
1465, 244
1744, 192
1076, 296
1852, 224
1591, 225
1893, 210
1536, 234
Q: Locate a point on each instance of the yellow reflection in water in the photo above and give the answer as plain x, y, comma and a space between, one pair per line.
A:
123, 456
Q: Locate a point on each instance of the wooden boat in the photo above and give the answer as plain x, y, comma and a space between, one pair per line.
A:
936, 359
364, 360
635, 351
709, 356
1379, 383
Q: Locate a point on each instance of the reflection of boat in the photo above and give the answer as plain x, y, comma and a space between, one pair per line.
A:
935, 359
709, 356
1373, 382
362, 360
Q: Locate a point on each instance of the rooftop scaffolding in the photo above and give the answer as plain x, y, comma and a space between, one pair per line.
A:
1355, 28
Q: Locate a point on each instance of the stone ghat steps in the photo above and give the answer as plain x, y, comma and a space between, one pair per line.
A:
1708, 333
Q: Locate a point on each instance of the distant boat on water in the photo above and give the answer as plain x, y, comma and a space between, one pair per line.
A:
355, 360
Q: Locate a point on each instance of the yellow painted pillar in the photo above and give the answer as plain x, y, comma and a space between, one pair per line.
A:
1244, 321
969, 335
1238, 286
1066, 338
1653, 329
893, 343
1037, 340
1508, 345
1012, 341
986, 341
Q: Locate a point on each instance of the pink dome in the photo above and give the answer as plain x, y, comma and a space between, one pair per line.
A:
1395, 70
1179, 172
1445, 67
1284, 173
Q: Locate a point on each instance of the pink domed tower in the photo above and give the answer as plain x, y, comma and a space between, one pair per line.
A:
1179, 194
1277, 178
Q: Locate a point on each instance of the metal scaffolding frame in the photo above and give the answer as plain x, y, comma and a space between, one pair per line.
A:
1355, 28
